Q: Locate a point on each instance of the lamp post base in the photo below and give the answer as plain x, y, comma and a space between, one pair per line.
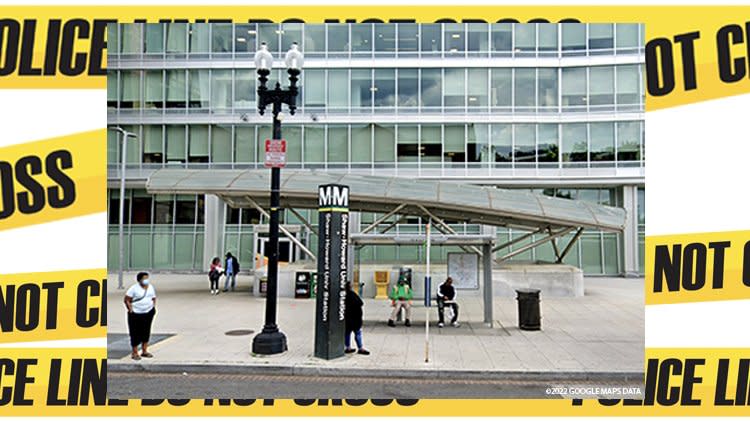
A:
270, 341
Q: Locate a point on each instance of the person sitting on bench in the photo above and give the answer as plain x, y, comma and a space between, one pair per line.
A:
401, 296
447, 296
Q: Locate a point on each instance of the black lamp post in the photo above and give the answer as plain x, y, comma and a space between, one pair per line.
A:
271, 340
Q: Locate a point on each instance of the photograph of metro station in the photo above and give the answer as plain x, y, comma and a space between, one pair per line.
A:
506, 156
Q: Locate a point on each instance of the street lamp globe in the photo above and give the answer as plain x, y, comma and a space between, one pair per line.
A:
294, 58
263, 59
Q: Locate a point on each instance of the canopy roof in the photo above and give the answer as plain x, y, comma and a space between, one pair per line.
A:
443, 199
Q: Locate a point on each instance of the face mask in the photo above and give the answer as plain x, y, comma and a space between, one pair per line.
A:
145, 281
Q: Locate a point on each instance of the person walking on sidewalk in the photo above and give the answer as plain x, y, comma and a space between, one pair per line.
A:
214, 274
353, 321
231, 268
447, 297
140, 301
401, 296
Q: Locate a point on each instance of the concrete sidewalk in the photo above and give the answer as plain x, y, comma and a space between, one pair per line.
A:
597, 336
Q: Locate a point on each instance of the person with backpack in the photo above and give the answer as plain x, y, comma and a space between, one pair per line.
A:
214, 274
401, 296
231, 268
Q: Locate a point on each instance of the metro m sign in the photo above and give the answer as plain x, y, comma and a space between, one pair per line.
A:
333, 198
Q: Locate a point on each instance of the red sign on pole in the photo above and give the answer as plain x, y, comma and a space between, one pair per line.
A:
275, 153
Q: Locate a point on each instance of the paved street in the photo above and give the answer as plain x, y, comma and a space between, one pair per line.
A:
153, 385
600, 333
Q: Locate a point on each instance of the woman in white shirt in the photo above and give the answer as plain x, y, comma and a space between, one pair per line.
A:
140, 300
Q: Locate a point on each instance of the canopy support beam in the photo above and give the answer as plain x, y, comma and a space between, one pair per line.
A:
291, 237
447, 228
383, 218
555, 235
570, 245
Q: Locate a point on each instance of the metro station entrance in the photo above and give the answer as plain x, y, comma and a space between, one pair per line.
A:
289, 250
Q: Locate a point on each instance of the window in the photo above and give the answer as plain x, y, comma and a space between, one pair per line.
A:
525, 39
547, 148
176, 144
408, 38
176, 42
244, 39
269, 33
431, 88
154, 97
455, 91
338, 38
185, 209
628, 85
385, 88
141, 207
501, 88
408, 144
163, 209
601, 85
361, 38
315, 39
291, 33
221, 90
154, 38
314, 88
198, 144
602, 141
454, 145
524, 150
525, 88
574, 142
477, 148
477, 37
198, 39
244, 144
361, 90
628, 141
601, 37
199, 89
221, 144
502, 39
432, 38
547, 91
477, 89
455, 40
176, 89
431, 145
361, 144
627, 37
408, 87
293, 136
130, 38
221, 34
130, 89
315, 146
501, 138
153, 149
338, 89
573, 38
384, 143
547, 38
574, 87
244, 89
338, 145
385, 39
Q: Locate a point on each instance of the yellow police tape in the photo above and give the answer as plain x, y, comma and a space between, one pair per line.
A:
53, 306
67, 382
697, 267
53, 179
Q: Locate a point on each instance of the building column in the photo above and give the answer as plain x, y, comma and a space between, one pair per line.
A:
630, 234
213, 239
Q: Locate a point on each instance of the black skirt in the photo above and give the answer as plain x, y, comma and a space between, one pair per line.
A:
139, 327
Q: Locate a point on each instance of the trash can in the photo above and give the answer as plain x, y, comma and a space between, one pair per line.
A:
302, 285
529, 315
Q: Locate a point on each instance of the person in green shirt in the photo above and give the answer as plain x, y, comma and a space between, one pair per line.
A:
400, 296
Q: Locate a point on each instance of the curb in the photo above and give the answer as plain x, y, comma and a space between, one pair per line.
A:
300, 370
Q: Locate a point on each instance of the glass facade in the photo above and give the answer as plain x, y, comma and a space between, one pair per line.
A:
558, 109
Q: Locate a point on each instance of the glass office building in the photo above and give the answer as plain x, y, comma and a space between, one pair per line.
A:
555, 109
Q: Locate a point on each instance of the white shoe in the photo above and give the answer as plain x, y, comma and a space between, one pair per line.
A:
455, 324
441, 325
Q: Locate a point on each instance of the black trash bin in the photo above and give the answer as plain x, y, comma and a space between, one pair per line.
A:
529, 315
